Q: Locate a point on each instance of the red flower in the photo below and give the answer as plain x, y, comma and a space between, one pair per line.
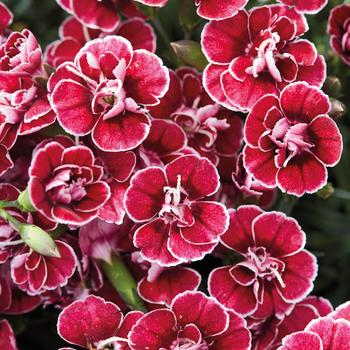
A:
250, 189
275, 272
93, 322
20, 54
35, 273
95, 14
73, 36
257, 53
104, 89
7, 336
6, 18
65, 184
320, 334
210, 129
163, 285
268, 334
309, 6
339, 30
193, 321
210, 9
291, 139
179, 225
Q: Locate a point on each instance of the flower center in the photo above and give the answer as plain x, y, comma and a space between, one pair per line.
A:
267, 267
264, 55
188, 344
175, 208
65, 189
292, 139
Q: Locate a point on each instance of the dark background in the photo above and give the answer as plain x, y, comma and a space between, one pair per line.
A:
326, 221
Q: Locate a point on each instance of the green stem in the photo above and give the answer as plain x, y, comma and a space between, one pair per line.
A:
123, 282
166, 40
341, 194
9, 218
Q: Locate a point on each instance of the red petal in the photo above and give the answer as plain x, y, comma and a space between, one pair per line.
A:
154, 331
199, 177
140, 34
87, 321
303, 174
222, 41
145, 196
72, 103
206, 313
219, 9
96, 14
147, 79
152, 238
324, 134
124, 132
279, 234
300, 271
168, 285
261, 165
223, 287
236, 336
239, 235
211, 221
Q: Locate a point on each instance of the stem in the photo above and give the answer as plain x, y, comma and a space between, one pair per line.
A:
341, 194
166, 40
8, 204
9, 218
123, 282
287, 203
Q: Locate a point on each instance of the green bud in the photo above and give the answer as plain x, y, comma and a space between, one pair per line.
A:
326, 191
38, 240
188, 15
24, 202
338, 109
332, 86
190, 52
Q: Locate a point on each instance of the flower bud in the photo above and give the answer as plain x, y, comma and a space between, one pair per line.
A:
24, 201
190, 52
338, 109
332, 86
326, 191
38, 240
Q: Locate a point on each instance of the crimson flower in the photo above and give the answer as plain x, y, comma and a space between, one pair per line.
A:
6, 18
35, 273
310, 6
7, 336
73, 37
65, 184
93, 322
104, 89
211, 130
193, 321
209, 9
257, 53
268, 333
179, 225
323, 333
339, 30
162, 285
275, 270
291, 139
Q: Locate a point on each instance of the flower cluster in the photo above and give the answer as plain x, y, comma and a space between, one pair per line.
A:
123, 175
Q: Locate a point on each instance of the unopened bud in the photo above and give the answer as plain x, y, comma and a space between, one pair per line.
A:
38, 240
332, 86
326, 191
190, 52
24, 202
338, 109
